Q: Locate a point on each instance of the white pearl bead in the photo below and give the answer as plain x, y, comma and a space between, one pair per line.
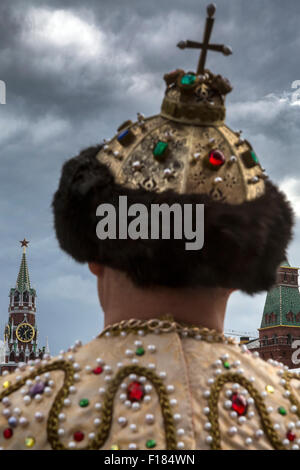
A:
180, 432
250, 401
76, 366
76, 377
51, 383
228, 404
123, 333
122, 420
294, 409
149, 418
92, 435
23, 421
39, 416
138, 343
107, 368
162, 375
134, 360
6, 401
123, 396
248, 441
67, 402
210, 381
232, 430
180, 445
242, 419
97, 421
129, 352
38, 397
28, 382
133, 427
177, 417
132, 377
128, 403
276, 426
206, 393
207, 426
209, 439
235, 386
101, 390
151, 365
259, 433
6, 412
61, 431
142, 379
173, 402
291, 425
148, 388
88, 368
217, 363
17, 411
135, 406
251, 414
61, 417
147, 398
206, 410
270, 409
72, 445
27, 399
119, 365
72, 389
233, 414
151, 348
141, 332
285, 442
47, 391
98, 406
132, 446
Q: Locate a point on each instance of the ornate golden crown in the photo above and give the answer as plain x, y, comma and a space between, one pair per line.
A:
187, 147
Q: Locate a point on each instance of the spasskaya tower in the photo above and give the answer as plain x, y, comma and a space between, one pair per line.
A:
21, 332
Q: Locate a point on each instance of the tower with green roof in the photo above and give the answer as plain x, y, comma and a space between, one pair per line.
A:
21, 333
280, 325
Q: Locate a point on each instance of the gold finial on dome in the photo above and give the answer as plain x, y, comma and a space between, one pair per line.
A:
205, 45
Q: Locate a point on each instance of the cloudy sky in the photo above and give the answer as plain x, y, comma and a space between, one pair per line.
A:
74, 71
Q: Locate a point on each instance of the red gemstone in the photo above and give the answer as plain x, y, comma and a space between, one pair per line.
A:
135, 391
291, 436
7, 433
239, 404
97, 370
78, 436
216, 158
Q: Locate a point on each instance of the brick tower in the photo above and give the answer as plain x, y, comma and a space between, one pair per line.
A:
21, 334
280, 324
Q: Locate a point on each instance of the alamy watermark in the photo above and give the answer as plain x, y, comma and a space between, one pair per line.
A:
166, 221
2, 92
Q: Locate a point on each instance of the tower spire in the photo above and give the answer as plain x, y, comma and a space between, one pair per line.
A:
23, 281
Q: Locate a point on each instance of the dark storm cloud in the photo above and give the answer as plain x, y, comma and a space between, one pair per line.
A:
74, 71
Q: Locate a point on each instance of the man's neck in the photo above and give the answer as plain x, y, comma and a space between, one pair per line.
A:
122, 300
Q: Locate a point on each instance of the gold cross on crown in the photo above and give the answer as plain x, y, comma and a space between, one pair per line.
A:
205, 45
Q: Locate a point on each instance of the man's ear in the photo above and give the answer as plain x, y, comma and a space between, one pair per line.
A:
96, 269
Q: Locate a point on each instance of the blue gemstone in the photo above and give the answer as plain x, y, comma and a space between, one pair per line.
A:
122, 135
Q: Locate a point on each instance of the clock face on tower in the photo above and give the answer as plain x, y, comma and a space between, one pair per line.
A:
25, 332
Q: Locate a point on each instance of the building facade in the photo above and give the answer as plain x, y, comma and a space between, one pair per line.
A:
279, 332
21, 332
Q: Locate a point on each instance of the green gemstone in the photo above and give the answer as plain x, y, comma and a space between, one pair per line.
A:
226, 365
84, 402
140, 351
150, 443
188, 79
160, 148
254, 157
282, 410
